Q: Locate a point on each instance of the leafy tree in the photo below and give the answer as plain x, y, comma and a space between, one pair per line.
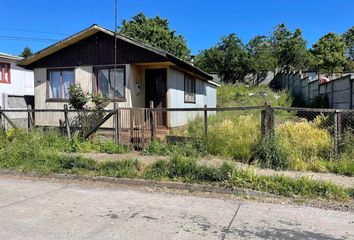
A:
289, 47
329, 53
157, 33
26, 52
228, 59
262, 54
349, 41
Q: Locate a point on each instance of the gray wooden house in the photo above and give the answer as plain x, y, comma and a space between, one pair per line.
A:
142, 74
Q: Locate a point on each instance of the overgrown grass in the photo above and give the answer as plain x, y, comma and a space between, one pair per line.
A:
192, 148
186, 169
230, 95
44, 158
110, 147
53, 141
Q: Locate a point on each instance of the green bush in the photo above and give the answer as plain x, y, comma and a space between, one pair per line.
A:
269, 154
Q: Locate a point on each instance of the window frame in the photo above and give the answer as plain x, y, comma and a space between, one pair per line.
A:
2, 72
109, 68
193, 90
61, 98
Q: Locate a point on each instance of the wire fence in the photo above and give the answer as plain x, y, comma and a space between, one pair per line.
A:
232, 131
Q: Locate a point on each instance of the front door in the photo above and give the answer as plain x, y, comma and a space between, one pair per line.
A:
155, 90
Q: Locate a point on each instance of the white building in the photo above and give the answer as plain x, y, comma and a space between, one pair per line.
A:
16, 87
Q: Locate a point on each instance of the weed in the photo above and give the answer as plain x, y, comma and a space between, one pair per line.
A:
269, 154
125, 168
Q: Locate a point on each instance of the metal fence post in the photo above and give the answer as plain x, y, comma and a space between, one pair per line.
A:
267, 121
152, 122
67, 121
206, 120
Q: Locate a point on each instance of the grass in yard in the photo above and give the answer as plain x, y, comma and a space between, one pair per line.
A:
186, 169
230, 95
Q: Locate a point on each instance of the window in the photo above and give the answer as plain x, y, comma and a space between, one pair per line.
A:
111, 83
189, 89
59, 82
5, 73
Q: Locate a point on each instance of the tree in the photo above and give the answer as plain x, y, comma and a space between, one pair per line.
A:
157, 33
262, 54
26, 52
228, 59
349, 42
329, 53
348, 37
289, 47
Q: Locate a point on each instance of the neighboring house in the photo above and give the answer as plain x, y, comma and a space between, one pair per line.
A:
16, 87
143, 74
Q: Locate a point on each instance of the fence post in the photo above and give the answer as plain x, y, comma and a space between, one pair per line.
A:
206, 120
117, 126
29, 117
2, 127
66, 118
152, 122
337, 132
267, 121
131, 118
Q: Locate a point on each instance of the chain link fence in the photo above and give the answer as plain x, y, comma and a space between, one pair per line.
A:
234, 132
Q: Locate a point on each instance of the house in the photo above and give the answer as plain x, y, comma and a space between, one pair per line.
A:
141, 74
16, 87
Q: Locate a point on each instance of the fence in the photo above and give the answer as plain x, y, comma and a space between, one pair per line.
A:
138, 126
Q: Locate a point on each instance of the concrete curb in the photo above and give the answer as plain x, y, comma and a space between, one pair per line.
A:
191, 187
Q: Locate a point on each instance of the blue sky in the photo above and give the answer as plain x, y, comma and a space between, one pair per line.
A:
202, 22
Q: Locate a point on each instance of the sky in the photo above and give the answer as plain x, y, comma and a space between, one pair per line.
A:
201, 22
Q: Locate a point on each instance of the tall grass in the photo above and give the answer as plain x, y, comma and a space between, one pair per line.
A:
230, 95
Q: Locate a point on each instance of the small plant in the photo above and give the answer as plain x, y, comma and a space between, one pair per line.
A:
86, 120
126, 168
269, 154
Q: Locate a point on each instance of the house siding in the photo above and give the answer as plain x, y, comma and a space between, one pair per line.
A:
97, 49
175, 98
85, 77
14, 95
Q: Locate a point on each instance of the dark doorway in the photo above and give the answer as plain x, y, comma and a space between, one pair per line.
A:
155, 90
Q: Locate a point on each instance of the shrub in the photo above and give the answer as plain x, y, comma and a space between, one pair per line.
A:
269, 154
77, 97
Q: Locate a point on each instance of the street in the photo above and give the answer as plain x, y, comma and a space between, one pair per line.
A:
48, 209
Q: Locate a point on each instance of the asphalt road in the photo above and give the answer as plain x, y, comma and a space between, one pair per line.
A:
45, 209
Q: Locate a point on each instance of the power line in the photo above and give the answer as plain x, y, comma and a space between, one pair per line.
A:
32, 31
20, 38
